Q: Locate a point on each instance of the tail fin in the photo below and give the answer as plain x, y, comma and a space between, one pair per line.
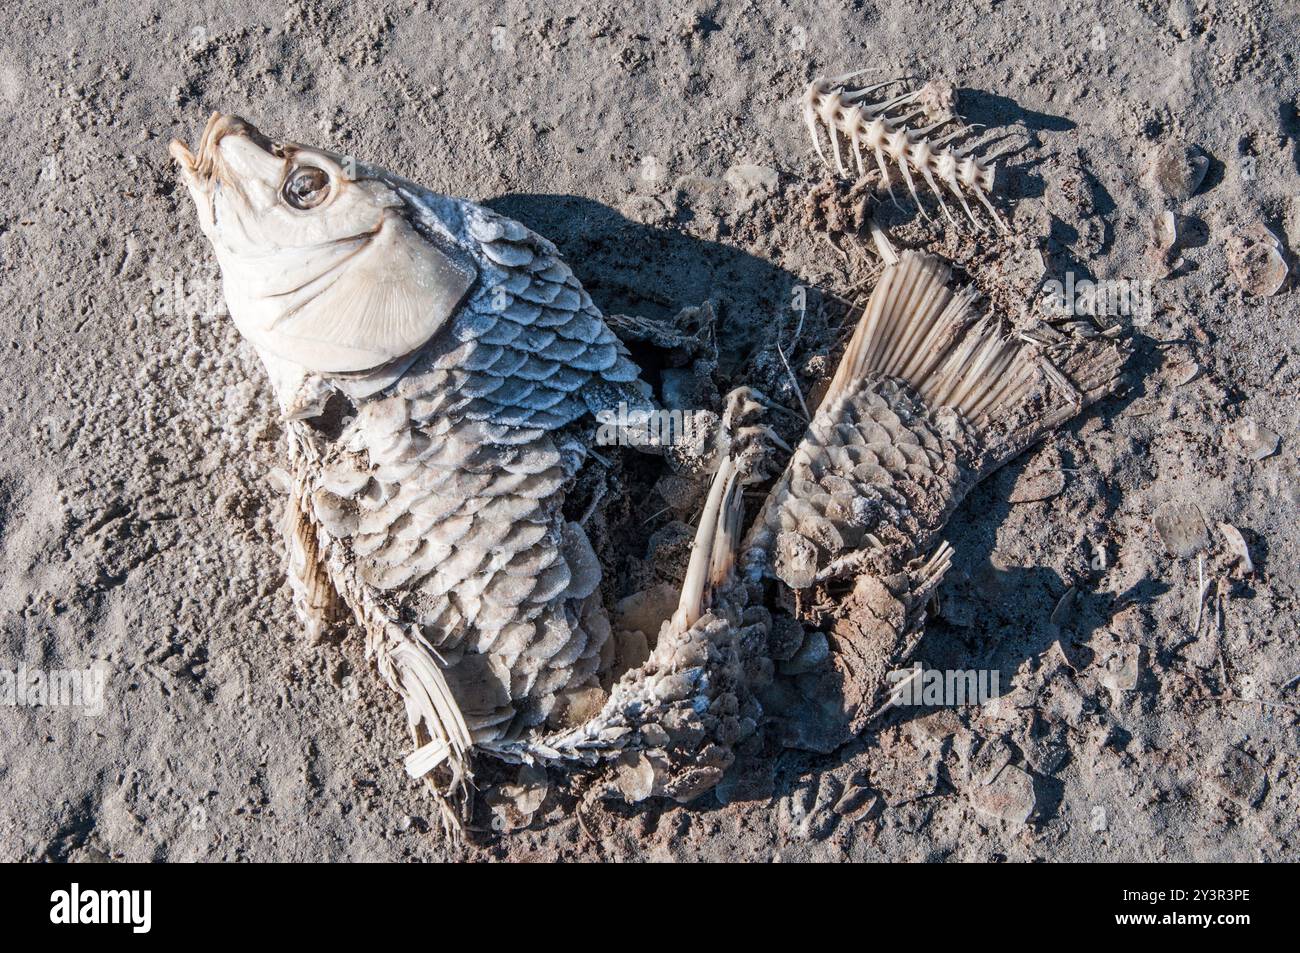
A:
918, 329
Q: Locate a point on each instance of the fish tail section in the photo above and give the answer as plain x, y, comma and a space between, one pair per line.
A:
929, 398
920, 330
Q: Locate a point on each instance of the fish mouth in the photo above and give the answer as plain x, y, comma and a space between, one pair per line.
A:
201, 167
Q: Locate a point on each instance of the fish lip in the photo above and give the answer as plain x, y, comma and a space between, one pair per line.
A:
180, 152
203, 165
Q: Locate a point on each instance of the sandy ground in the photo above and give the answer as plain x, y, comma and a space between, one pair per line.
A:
139, 529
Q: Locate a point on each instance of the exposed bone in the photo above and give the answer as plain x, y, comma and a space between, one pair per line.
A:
876, 127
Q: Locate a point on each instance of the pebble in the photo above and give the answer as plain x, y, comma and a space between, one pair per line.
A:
858, 802
1177, 169
752, 183
1182, 528
1123, 669
1251, 439
1165, 229
1240, 778
1009, 797
1255, 259
1237, 546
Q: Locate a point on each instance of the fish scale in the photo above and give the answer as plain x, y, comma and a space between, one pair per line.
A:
851, 476
490, 579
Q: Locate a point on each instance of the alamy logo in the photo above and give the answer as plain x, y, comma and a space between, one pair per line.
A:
25, 687
943, 687
134, 907
1110, 297
637, 427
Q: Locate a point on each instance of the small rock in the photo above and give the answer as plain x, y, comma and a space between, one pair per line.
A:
1240, 778
1123, 670
1165, 231
1237, 546
752, 183
1038, 486
811, 655
1182, 528
1256, 261
1163, 250
858, 802
1177, 169
1009, 797
1251, 439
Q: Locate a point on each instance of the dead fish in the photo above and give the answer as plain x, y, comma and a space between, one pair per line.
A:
432, 360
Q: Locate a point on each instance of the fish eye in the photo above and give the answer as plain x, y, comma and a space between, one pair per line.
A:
307, 187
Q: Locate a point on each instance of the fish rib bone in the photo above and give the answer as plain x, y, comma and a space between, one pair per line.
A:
870, 127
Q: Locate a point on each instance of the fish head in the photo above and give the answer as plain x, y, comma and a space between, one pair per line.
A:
324, 264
